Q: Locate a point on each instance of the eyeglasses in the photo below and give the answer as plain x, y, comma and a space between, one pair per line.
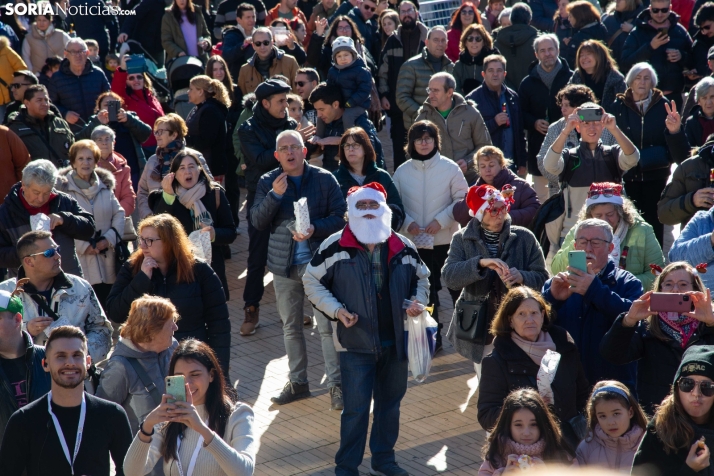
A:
344, 28
687, 385
17, 85
49, 253
135, 77
106, 140
262, 43
367, 205
495, 211
434, 90
292, 148
607, 193
424, 140
467, 12
160, 132
681, 286
369, 9
595, 242
659, 10
471, 39
351, 146
407, 12
76, 52
147, 241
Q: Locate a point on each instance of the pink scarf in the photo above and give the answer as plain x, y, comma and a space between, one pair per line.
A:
535, 350
512, 448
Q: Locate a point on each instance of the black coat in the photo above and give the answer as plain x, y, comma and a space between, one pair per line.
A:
77, 93
612, 22
658, 148
538, 102
657, 360
594, 32
15, 222
700, 50
235, 51
218, 207
637, 49
508, 368
103, 27
207, 133
651, 458
693, 128
144, 27
201, 304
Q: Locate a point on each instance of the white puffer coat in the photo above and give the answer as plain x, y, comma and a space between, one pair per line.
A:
429, 190
108, 213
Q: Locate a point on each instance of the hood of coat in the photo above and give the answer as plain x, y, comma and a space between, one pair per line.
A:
65, 182
458, 102
628, 442
515, 35
126, 348
629, 100
644, 18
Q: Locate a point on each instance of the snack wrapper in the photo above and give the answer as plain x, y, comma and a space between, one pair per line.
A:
40, 222
423, 240
546, 374
201, 244
524, 462
302, 216
62, 321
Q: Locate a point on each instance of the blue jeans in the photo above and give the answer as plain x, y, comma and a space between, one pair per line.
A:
364, 376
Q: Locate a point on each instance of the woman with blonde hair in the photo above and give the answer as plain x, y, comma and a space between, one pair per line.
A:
206, 123
93, 188
146, 342
164, 265
596, 69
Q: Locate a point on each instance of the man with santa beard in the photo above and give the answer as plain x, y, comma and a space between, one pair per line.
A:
359, 279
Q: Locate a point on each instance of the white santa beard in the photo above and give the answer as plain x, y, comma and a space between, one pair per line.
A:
371, 231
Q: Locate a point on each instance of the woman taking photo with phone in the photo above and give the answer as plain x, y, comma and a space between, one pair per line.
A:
208, 434
677, 439
657, 340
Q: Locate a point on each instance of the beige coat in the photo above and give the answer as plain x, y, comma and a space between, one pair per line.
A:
429, 190
108, 213
463, 132
38, 47
249, 78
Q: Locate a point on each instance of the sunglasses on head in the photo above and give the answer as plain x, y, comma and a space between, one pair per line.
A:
687, 385
659, 10
472, 39
607, 193
262, 43
49, 253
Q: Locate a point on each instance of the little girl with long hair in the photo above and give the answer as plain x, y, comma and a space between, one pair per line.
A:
616, 424
526, 435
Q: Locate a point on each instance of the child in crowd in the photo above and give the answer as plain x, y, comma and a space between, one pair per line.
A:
350, 72
93, 48
526, 435
51, 66
111, 63
616, 424
295, 109
493, 10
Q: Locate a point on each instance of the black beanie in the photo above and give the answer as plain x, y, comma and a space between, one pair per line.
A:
270, 87
697, 360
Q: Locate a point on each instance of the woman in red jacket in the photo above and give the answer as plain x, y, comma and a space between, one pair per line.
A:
138, 95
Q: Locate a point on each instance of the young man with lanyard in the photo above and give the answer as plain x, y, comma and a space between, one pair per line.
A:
68, 432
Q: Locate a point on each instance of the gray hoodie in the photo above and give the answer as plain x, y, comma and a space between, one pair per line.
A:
121, 384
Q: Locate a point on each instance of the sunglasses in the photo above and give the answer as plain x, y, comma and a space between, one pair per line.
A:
17, 85
607, 193
687, 386
369, 9
472, 39
467, 12
706, 27
50, 253
300, 83
262, 43
135, 77
659, 10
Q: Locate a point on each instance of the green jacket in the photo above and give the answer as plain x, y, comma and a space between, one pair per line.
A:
172, 37
644, 250
55, 130
412, 82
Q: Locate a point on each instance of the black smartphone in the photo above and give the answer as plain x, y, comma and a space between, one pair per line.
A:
590, 114
113, 110
663, 31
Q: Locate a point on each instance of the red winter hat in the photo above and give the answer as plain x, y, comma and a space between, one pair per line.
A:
371, 191
481, 198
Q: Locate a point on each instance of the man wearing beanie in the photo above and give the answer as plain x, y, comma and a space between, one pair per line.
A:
359, 279
22, 378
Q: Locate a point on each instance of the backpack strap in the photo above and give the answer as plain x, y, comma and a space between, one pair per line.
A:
149, 384
43, 305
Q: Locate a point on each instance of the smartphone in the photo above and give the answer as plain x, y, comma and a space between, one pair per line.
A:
590, 114
113, 110
576, 259
671, 302
663, 31
176, 387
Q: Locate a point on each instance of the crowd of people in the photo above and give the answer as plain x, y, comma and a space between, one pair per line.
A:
529, 173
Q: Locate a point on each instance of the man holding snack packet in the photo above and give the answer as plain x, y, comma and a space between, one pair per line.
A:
296, 233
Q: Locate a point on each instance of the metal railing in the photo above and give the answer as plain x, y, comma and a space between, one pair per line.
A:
437, 12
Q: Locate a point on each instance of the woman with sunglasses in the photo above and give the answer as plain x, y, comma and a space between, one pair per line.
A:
430, 185
657, 340
467, 14
636, 247
678, 438
164, 265
137, 92
486, 259
476, 44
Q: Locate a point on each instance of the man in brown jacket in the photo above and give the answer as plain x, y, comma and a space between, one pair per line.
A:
13, 158
265, 63
461, 126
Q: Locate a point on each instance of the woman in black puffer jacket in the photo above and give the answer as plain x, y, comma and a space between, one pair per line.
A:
587, 26
642, 114
165, 266
468, 68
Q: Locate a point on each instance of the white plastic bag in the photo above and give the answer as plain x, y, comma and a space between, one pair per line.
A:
40, 222
302, 216
421, 341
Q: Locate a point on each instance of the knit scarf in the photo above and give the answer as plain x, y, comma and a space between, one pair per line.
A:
678, 327
165, 156
89, 189
191, 199
549, 77
513, 448
617, 239
535, 350
264, 117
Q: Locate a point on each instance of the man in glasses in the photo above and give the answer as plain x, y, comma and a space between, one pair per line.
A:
53, 298
661, 41
267, 61
77, 85
408, 41
306, 80
20, 81
291, 246
588, 301
366, 21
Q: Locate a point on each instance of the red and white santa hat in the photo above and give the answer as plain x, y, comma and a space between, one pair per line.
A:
604, 192
481, 198
371, 191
